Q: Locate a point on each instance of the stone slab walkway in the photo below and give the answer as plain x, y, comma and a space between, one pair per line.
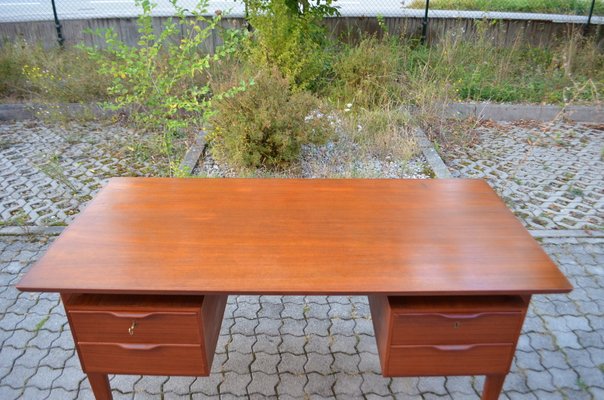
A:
321, 347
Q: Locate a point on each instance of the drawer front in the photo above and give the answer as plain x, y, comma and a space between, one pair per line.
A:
455, 328
479, 359
143, 359
136, 327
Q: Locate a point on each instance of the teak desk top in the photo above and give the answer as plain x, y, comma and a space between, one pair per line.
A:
294, 236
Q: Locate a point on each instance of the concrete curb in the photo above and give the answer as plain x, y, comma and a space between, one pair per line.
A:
516, 112
194, 153
436, 163
21, 112
31, 230
566, 233
497, 112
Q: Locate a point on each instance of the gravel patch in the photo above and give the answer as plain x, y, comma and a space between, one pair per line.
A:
338, 158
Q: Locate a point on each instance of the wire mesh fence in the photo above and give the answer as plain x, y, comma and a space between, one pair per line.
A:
562, 11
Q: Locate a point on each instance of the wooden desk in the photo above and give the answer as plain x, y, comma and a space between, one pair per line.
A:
145, 269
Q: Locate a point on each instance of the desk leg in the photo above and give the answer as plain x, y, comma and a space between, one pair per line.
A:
492, 387
100, 386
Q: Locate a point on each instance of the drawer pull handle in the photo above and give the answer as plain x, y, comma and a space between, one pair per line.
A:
138, 346
130, 315
131, 329
455, 347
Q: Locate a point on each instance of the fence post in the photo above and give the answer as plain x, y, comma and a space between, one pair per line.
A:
425, 24
58, 25
591, 12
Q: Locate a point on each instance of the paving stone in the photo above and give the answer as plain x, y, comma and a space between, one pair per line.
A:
207, 385
238, 362
18, 376
292, 363
366, 343
375, 383
405, 386
235, 384
291, 385
435, 385
319, 384
318, 344
346, 363
43, 377
33, 392
264, 383
347, 385
344, 344
266, 363
370, 363
268, 326
178, 385
315, 326
9, 393
293, 327
69, 379
319, 363
267, 344
61, 394
345, 327
292, 344
244, 326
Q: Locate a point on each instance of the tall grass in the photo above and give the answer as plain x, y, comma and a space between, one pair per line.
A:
578, 7
31, 72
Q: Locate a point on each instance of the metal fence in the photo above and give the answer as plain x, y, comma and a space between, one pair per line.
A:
583, 12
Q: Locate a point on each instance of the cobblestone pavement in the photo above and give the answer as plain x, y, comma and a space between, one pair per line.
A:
550, 175
48, 172
323, 347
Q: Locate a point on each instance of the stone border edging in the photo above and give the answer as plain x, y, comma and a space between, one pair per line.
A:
31, 230
21, 112
194, 153
436, 163
494, 111
516, 112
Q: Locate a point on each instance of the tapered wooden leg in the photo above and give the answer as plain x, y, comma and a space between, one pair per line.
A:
100, 386
492, 387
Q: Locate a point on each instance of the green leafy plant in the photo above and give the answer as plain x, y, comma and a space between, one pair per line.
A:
163, 81
289, 35
266, 125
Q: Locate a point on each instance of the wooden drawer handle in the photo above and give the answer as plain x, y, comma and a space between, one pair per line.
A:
457, 316
455, 347
129, 315
138, 346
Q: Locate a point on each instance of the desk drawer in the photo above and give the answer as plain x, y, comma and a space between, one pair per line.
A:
478, 359
145, 359
142, 334
137, 327
455, 328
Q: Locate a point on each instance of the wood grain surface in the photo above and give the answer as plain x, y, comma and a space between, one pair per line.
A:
294, 236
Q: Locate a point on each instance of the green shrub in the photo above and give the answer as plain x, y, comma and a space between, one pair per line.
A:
266, 125
294, 42
163, 80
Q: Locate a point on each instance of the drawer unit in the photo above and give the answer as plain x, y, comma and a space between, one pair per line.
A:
462, 335
138, 334
144, 359
455, 328
475, 359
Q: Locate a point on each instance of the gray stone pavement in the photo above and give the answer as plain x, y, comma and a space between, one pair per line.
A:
315, 347
48, 172
550, 174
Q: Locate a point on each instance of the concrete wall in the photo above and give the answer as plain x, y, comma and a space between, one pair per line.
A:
503, 32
